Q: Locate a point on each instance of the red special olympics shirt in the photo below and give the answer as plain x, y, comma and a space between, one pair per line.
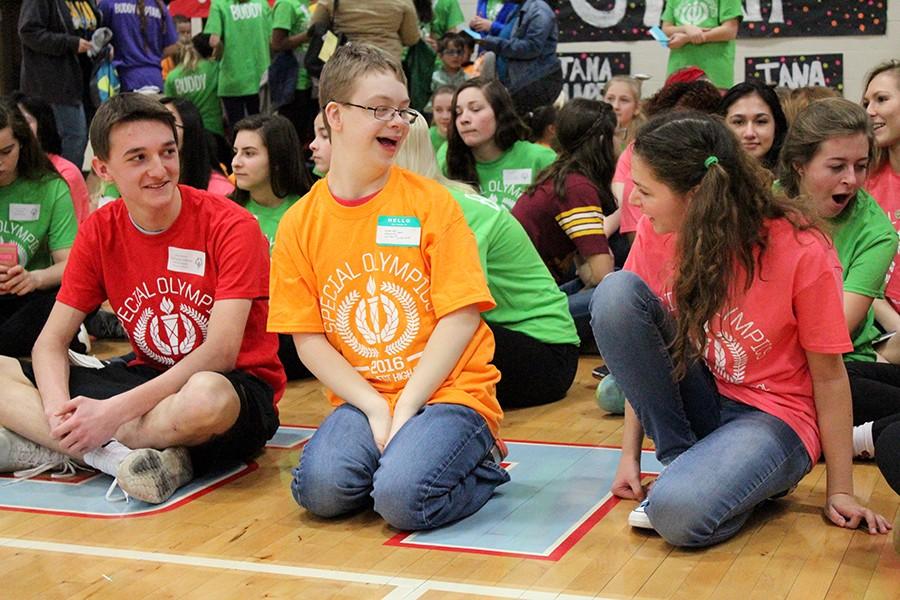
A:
162, 287
756, 344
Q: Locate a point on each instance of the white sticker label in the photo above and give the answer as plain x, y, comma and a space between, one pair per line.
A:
192, 262
398, 231
24, 212
516, 176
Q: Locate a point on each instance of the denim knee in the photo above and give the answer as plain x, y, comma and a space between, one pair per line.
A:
684, 520
400, 503
615, 300
325, 492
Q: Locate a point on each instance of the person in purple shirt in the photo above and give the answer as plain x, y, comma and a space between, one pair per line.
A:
143, 34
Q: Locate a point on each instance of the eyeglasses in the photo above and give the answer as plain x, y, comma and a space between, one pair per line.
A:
387, 113
452, 53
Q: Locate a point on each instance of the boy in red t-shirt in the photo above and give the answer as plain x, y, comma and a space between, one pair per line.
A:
376, 275
186, 273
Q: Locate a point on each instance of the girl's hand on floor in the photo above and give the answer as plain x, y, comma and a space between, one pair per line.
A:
844, 511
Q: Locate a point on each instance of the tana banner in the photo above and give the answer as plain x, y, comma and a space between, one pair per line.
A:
794, 71
620, 20
584, 73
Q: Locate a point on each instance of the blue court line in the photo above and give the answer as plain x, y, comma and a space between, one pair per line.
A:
569, 483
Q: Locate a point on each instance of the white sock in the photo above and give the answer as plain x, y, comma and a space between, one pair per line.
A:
863, 444
107, 458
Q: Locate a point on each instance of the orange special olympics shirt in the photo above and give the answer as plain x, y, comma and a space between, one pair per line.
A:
376, 278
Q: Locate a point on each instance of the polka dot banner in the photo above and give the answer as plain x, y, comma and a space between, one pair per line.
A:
794, 71
614, 20
584, 73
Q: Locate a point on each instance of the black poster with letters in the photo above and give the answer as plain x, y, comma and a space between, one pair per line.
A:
621, 20
800, 70
584, 73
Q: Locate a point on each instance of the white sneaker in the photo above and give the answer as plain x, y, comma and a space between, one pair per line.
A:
153, 475
638, 517
26, 459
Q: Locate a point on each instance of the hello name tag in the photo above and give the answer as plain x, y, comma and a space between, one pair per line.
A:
398, 231
192, 262
24, 212
516, 176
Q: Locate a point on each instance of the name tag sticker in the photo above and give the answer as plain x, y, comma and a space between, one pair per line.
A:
24, 212
398, 231
192, 262
516, 176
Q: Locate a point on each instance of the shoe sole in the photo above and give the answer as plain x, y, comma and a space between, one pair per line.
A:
152, 476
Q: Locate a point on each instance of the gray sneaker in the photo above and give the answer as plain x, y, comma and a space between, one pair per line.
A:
26, 459
153, 475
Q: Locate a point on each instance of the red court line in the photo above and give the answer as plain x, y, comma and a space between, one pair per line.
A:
248, 468
564, 546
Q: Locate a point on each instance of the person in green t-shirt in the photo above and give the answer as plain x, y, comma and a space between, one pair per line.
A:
441, 100
290, 21
243, 29
536, 341
270, 178
37, 229
196, 78
701, 33
823, 161
486, 145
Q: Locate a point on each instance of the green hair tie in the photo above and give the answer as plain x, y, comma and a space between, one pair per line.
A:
711, 160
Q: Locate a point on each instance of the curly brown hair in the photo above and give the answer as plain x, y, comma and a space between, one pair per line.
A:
724, 235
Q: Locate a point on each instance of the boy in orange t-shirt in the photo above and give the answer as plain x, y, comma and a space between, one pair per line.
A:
376, 274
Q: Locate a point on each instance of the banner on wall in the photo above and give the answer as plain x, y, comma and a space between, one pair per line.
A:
584, 73
801, 70
620, 20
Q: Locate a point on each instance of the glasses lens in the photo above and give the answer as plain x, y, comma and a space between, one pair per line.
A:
384, 113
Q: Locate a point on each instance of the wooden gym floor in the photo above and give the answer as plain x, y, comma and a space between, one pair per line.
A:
248, 539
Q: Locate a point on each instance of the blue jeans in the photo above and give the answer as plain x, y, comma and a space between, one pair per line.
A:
722, 457
72, 128
437, 469
579, 307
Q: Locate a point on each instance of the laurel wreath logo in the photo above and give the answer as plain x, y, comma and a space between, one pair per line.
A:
140, 338
723, 345
412, 317
343, 326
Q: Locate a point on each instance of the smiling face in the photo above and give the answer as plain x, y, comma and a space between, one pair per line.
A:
621, 96
440, 106
9, 156
321, 146
356, 135
251, 162
882, 103
658, 201
475, 120
751, 120
835, 173
143, 163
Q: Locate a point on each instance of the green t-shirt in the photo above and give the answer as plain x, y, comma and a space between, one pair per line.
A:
528, 300
293, 17
437, 140
246, 30
37, 216
715, 58
447, 16
201, 87
506, 178
270, 216
866, 244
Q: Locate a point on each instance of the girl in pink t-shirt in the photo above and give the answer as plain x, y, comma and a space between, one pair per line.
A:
882, 102
721, 333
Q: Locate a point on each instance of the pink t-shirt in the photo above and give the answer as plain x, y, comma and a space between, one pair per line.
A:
77, 187
884, 185
630, 214
219, 184
756, 345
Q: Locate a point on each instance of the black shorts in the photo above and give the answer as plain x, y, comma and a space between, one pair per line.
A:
255, 425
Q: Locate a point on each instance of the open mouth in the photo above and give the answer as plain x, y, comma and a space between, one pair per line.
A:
841, 199
388, 143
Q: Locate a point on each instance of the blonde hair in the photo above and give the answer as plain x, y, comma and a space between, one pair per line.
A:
347, 65
417, 155
795, 101
638, 119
